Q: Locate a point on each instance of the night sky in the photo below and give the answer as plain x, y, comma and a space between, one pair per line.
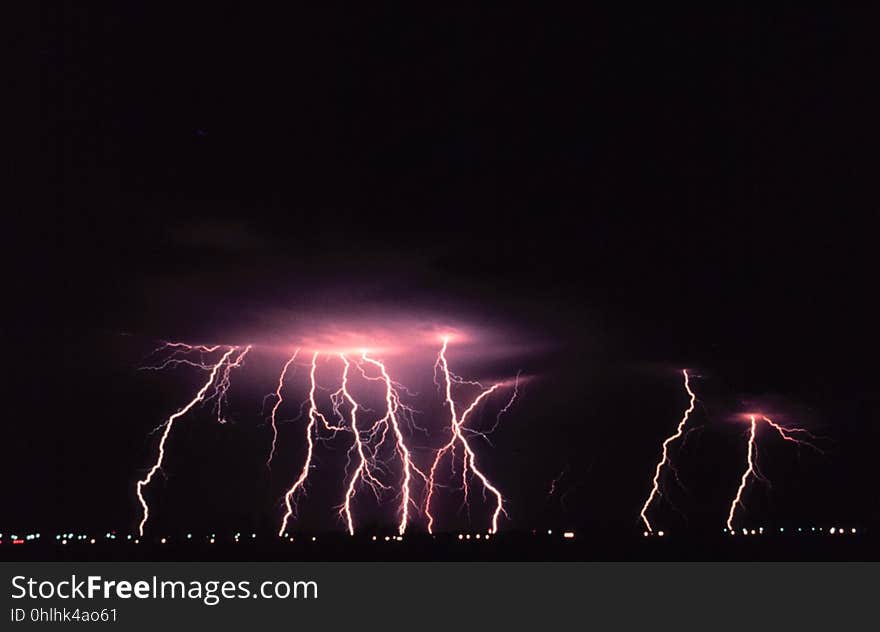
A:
613, 196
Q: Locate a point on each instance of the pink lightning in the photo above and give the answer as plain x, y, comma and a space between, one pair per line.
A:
554, 482
750, 460
200, 396
368, 456
456, 426
363, 471
290, 496
664, 458
222, 389
788, 434
277, 405
367, 465
178, 356
392, 403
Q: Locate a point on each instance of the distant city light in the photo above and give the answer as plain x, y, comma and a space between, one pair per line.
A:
75, 538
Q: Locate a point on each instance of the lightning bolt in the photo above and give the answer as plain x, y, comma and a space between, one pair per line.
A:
367, 463
366, 443
363, 471
277, 405
290, 496
555, 481
179, 356
664, 457
457, 422
393, 405
788, 434
222, 389
169, 423
750, 469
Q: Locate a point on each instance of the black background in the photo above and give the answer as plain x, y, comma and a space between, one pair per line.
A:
646, 190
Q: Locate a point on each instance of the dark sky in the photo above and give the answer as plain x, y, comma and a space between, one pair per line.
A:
639, 191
